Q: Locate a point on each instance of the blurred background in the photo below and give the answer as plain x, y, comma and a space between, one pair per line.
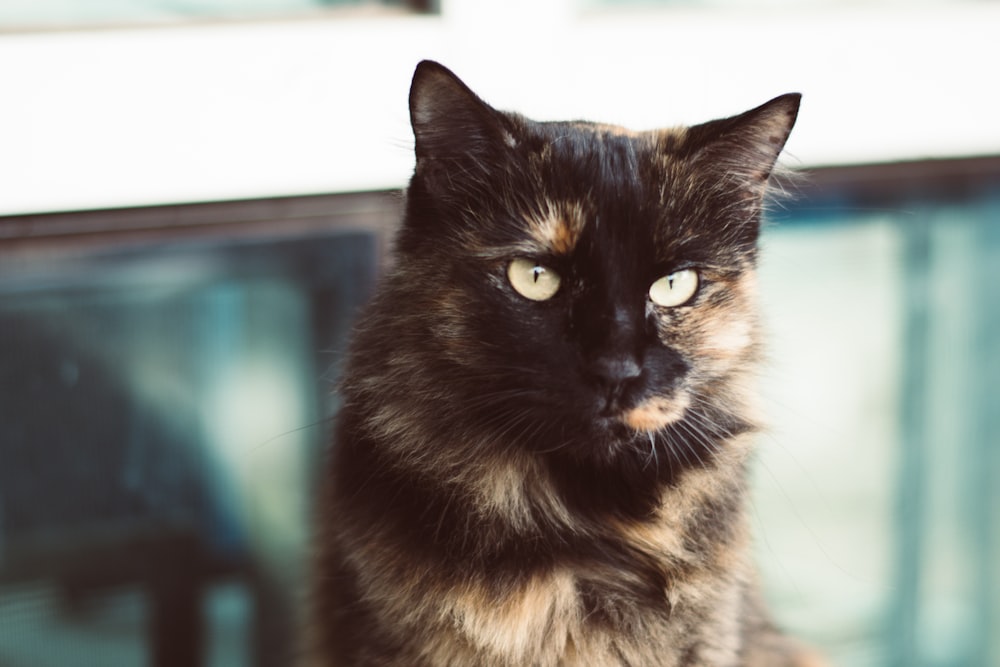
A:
197, 195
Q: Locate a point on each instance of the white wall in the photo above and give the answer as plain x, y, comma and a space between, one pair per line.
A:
145, 116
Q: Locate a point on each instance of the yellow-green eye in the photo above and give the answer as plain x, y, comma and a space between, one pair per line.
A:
675, 289
532, 280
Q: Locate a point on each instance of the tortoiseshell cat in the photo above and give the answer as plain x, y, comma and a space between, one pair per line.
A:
542, 451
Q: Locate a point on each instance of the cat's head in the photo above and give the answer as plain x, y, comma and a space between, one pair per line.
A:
588, 289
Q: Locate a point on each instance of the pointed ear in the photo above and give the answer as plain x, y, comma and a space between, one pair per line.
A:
747, 145
448, 119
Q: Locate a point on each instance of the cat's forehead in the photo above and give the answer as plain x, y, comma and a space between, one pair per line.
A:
589, 174
575, 140
556, 226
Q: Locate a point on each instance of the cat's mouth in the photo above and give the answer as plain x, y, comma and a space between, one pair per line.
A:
649, 415
655, 413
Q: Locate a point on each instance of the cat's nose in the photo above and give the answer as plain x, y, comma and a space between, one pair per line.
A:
614, 377
616, 370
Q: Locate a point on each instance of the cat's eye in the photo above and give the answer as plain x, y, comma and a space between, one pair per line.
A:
674, 289
533, 280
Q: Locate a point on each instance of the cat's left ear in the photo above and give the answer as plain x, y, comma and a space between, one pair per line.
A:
747, 145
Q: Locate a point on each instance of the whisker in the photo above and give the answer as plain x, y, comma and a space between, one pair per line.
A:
652, 452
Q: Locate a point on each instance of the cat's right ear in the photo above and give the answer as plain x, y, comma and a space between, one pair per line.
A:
448, 119
746, 146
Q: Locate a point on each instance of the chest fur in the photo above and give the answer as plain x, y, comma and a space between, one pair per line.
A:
571, 618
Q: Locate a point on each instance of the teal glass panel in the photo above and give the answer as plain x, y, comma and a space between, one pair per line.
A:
162, 411
876, 507
169, 404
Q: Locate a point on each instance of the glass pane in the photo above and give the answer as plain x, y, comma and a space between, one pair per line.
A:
877, 512
162, 412
166, 407
831, 393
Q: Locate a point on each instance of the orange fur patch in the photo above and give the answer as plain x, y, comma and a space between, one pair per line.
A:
558, 227
656, 413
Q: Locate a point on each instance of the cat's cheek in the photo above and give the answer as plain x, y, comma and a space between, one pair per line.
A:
447, 324
454, 335
729, 343
726, 334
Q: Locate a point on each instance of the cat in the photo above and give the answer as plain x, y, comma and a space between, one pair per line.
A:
548, 406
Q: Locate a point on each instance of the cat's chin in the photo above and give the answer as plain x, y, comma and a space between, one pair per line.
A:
612, 428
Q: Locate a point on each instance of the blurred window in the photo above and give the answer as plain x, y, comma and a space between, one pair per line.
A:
165, 377
165, 380
879, 515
